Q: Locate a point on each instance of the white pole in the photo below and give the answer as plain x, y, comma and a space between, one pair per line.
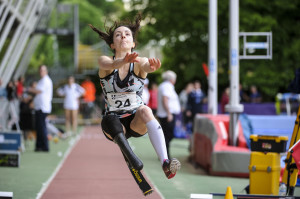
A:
212, 59
76, 35
234, 107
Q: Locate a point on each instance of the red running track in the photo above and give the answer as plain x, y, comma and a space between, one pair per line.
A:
94, 169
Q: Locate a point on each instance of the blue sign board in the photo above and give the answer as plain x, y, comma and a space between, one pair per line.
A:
10, 140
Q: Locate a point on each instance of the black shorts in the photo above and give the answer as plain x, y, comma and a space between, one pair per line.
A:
126, 123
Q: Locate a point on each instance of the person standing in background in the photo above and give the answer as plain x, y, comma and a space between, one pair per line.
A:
13, 102
183, 98
168, 106
71, 92
224, 99
153, 98
20, 87
89, 97
146, 94
42, 105
196, 99
3, 102
3, 92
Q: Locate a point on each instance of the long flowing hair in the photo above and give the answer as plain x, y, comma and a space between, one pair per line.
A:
108, 34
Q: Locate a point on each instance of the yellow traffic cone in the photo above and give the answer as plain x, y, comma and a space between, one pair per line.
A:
228, 194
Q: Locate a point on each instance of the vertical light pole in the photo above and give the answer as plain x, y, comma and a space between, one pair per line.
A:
76, 35
212, 58
234, 107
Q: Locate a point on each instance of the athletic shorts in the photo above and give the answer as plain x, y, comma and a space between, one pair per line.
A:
126, 123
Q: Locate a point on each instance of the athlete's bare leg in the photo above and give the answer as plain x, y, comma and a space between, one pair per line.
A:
68, 120
142, 116
143, 121
74, 120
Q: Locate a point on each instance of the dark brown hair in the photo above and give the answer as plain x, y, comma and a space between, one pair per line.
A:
108, 35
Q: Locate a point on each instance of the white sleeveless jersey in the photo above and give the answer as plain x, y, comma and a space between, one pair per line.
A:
122, 97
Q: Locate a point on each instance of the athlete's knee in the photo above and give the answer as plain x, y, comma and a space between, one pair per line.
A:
111, 125
145, 112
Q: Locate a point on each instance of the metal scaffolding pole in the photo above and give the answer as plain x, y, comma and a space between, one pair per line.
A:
30, 48
234, 107
9, 24
4, 15
12, 43
213, 59
23, 40
2, 6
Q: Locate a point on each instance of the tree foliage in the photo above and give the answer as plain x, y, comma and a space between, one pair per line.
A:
183, 28
90, 12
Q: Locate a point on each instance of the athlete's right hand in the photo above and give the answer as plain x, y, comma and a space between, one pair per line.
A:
131, 58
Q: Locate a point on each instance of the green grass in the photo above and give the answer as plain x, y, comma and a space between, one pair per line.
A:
189, 179
35, 169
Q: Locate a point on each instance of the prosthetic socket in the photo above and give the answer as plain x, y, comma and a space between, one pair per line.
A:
112, 126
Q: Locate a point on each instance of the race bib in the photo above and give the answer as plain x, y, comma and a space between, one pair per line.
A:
122, 101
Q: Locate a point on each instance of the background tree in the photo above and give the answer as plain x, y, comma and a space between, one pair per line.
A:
182, 28
90, 11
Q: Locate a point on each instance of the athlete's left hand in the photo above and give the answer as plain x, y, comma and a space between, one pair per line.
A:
154, 64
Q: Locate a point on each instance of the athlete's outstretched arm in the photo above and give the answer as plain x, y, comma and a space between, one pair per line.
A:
150, 65
107, 63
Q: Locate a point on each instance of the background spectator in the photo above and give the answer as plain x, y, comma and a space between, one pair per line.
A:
13, 104
42, 105
20, 87
153, 98
168, 106
89, 97
146, 94
224, 99
71, 93
3, 93
255, 96
183, 98
196, 98
3, 101
27, 111
243, 95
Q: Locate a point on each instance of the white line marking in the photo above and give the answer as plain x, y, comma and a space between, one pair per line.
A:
46, 184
